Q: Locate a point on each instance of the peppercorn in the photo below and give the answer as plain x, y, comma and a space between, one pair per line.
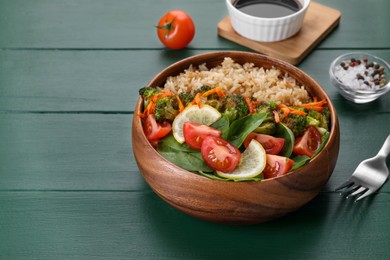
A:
370, 75
375, 73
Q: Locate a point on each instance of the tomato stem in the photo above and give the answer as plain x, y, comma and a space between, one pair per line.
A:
168, 26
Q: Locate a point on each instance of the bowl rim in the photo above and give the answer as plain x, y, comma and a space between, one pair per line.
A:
339, 58
305, 6
206, 56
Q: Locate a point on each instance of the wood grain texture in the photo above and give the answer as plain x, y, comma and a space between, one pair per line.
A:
94, 151
102, 24
69, 185
319, 21
139, 225
67, 152
229, 202
108, 81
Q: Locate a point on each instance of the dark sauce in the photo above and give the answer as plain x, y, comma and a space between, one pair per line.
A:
268, 8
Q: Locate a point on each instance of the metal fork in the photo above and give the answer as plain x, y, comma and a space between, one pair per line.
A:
369, 176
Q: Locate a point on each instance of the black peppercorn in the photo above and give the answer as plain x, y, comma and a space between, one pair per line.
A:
359, 76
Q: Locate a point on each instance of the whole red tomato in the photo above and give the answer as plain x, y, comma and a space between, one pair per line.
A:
176, 29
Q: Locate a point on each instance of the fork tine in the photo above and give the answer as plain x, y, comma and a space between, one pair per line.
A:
348, 183
368, 192
358, 191
350, 189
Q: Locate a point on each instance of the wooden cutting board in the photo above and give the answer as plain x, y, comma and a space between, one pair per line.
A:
318, 22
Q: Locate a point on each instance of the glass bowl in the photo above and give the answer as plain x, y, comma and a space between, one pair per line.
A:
360, 77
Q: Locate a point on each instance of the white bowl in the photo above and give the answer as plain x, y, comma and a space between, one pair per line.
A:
266, 29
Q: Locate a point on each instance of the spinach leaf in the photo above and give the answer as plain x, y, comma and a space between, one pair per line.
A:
182, 155
299, 161
212, 176
289, 139
169, 143
240, 128
221, 124
216, 177
189, 161
324, 139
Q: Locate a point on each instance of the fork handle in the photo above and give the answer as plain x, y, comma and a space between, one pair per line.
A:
385, 150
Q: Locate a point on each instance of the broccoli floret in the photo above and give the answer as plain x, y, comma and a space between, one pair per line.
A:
204, 89
325, 122
166, 109
186, 98
296, 123
320, 119
311, 121
234, 106
213, 99
148, 91
268, 126
273, 105
215, 103
266, 108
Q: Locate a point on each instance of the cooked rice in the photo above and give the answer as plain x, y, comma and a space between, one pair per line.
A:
247, 80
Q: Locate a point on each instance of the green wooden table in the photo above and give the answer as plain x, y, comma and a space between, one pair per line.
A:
69, 185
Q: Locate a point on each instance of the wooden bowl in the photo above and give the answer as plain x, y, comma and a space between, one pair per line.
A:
235, 202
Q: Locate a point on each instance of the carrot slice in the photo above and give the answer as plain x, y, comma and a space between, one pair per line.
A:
316, 105
197, 100
297, 112
285, 109
251, 105
276, 115
216, 90
181, 106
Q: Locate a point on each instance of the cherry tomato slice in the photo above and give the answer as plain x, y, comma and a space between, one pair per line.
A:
271, 144
194, 134
308, 143
176, 29
153, 130
277, 166
219, 154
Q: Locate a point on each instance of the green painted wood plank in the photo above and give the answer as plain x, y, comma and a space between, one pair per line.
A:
139, 225
109, 80
94, 151
361, 25
78, 81
67, 152
129, 24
